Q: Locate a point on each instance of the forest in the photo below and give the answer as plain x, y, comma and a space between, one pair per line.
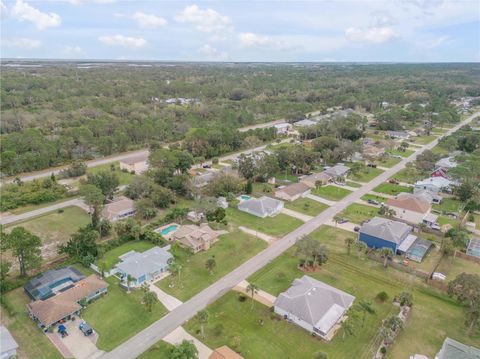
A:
56, 112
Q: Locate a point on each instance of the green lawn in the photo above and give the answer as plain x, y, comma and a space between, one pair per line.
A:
358, 213
369, 174
392, 189
111, 257
32, 342
399, 153
452, 267
124, 177
262, 189
306, 206
438, 150
353, 184
408, 175
55, 227
332, 193
279, 225
161, 350
33, 207
375, 197
388, 162
423, 140
285, 177
448, 205
119, 315
447, 220
229, 252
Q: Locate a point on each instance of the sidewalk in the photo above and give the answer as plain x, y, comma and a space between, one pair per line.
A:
320, 199
179, 334
261, 296
344, 186
257, 234
295, 214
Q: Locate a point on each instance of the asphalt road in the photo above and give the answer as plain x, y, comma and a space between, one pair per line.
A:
139, 343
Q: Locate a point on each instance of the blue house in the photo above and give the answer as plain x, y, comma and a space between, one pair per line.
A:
384, 233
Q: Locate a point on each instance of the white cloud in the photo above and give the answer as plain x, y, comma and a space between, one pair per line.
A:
73, 50
148, 21
120, 40
372, 35
212, 53
3, 10
24, 12
204, 20
81, 2
22, 43
249, 39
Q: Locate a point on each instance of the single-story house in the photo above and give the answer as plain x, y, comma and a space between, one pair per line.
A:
222, 202
283, 128
311, 180
66, 304
51, 282
304, 123
429, 196
224, 352
8, 345
451, 349
473, 248
261, 207
314, 306
144, 267
373, 151
446, 163
339, 171
440, 172
401, 135
202, 179
411, 208
293, 191
137, 164
380, 233
435, 184
120, 208
197, 238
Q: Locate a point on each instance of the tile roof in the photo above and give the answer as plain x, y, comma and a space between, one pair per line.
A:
386, 229
224, 352
119, 205
263, 205
410, 202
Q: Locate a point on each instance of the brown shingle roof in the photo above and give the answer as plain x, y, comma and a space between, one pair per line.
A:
294, 189
410, 203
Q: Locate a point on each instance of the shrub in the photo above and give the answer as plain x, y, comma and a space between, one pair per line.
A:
405, 298
382, 296
320, 355
383, 350
242, 298
60, 210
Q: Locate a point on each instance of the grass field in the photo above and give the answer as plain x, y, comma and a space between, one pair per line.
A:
369, 174
124, 177
397, 152
358, 213
262, 189
118, 315
110, 258
306, 206
448, 205
161, 350
392, 189
452, 267
32, 342
279, 225
353, 184
423, 140
285, 177
388, 162
375, 197
408, 175
229, 252
447, 220
332, 193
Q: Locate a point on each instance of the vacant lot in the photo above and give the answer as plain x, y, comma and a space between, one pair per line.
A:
110, 258
452, 267
124, 177
423, 140
332, 193
392, 189
408, 175
229, 252
375, 197
357, 213
397, 152
369, 174
448, 205
306, 206
388, 162
279, 225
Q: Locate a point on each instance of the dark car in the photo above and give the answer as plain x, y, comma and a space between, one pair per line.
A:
343, 220
86, 329
356, 228
393, 181
206, 166
372, 201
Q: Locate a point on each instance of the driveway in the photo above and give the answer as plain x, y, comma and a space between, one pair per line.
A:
180, 334
167, 300
297, 215
257, 234
320, 199
260, 296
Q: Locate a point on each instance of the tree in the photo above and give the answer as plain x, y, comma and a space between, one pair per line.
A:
81, 245
104, 227
312, 249
162, 197
252, 289
184, 350
175, 269
365, 308
405, 299
140, 187
465, 288
336, 220
249, 187
130, 279
4, 270
106, 181
150, 299
385, 253
94, 198
25, 247
203, 319
145, 208
349, 241
210, 264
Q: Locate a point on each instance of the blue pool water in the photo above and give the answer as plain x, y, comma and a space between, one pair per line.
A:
245, 197
168, 229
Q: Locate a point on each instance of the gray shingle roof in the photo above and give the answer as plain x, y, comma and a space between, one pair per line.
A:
391, 231
451, 349
263, 205
338, 170
151, 261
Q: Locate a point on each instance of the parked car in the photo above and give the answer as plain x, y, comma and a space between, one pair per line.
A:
342, 220
396, 156
206, 166
372, 201
86, 329
435, 226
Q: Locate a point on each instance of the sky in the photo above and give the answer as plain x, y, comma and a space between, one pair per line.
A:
247, 30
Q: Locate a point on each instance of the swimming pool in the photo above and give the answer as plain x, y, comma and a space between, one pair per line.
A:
168, 229
244, 197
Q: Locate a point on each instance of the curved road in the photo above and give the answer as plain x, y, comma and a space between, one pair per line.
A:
139, 343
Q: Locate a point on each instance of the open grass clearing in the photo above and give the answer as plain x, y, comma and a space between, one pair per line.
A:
452, 267
229, 252
306, 206
423, 140
160, 350
448, 205
332, 193
397, 152
369, 174
392, 189
387, 162
409, 175
357, 213
375, 197
262, 189
285, 177
123, 177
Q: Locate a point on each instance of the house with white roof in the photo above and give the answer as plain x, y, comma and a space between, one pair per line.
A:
452, 349
314, 306
339, 171
283, 128
435, 184
261, 207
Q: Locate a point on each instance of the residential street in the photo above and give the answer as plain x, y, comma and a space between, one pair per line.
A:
158, 330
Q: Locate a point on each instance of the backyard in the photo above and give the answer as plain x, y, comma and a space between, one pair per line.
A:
306, 206
332, 193
408, 175
229, 252
448, 205
357, 213
369, 174
392, 189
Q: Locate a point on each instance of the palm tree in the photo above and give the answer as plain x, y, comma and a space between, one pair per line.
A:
253, 289
210, 264
361, 246
366, 308
203, 319
336, 219
149, 299
130, 279
385, 253
349, 241
175, 269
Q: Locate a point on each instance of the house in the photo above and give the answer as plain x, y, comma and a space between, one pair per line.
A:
451, 349
338, 172
8, 345
283, 128
311, 180
313, 305
473, 248
197, 238
400, 135
49, 283
202, 179
373, 151
380, 233
435, 184
429, 196
119, 208
65, 304
224, 352
222, 202
410, 208
195, 216
446, 163
293, 191
261, 207
440, 172
145, 266
136, 164
304, 123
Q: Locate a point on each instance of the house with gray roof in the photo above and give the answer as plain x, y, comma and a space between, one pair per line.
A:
261, 207
202, 179
8, 345
451, 349
304, 123
338, 171
293, 191
380, 233
144, 267
400, 135
314, 306
118, 209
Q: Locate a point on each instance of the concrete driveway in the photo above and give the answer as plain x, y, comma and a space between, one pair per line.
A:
80, 346
180, 334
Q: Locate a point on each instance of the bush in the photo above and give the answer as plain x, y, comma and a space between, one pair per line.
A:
60, 210
382, 296
242, 298
405, 298
383, 350
320, 355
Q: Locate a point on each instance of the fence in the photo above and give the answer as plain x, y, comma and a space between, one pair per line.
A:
467, 257
105, 274
401, 267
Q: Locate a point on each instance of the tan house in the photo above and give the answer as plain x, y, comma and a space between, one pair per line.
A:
137, 164
292, 192
119, 208
312, 179
411, 209
198, 238
224, 353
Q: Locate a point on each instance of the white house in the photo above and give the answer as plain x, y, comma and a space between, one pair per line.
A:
261, 207
8, 345
435, 184
283, 128
120, 208
304, 123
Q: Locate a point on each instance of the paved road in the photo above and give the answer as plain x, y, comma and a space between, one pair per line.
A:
136, 345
